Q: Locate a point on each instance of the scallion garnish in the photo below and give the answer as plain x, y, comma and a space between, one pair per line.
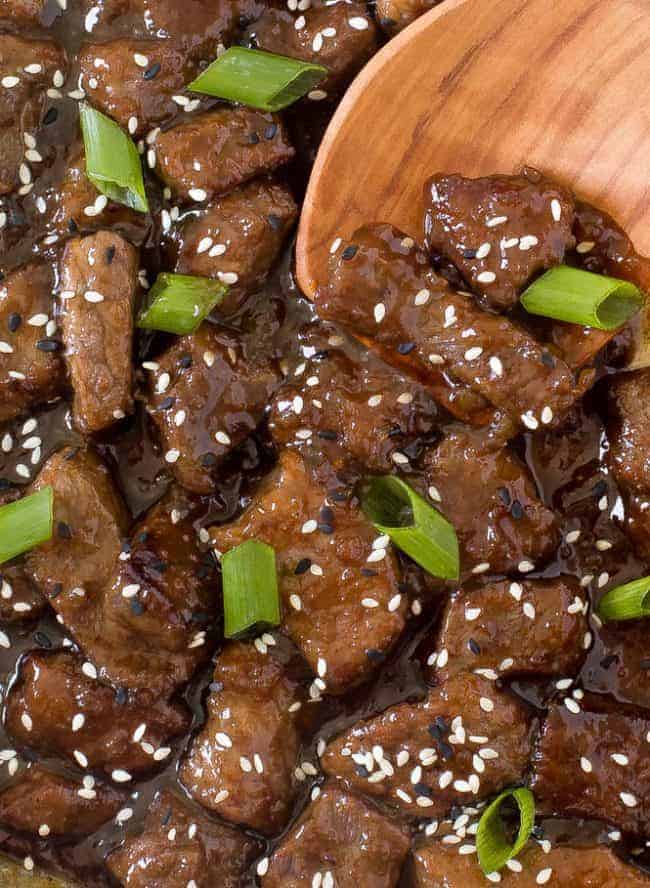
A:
250, 588
630, 601
493, 846
581, 297
26, 523
112, 161
412, 524
258, 79
179, 303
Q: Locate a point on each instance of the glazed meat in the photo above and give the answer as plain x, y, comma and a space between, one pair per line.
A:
619, 663
22, 12
499, 231
217, 151
241, 765
465, 741
340, 599
31, 370
20, 599
342, 839
206, 396
179, 847
605, 749
99, 277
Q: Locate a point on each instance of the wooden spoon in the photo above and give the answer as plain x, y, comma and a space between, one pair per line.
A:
483, 86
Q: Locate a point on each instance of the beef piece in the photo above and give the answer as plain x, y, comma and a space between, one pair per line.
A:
604, 749
30, 372
240, 234
241, 765
342, 839
40, 798
466, 741
208, 854
29, 66
22, 13
507, 628
99, 276
354, 409
337, 607
20, 599
494, 506
206, 397
381, 288
438, 864
499, 231
219, 150
341, 36
56, 709
619, 662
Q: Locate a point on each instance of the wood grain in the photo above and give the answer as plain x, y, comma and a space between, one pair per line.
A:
483, 86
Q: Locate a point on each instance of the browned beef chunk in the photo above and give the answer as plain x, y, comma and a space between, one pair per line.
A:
238, 238
438, 864
340, 599
99, 275
499, 231
219, 150
241, 765
342, 36
393, 15
40, 801
201, 851
506, 628
26, 68
352, 408
344, 841
381, 288
30, 368
605, 750
55, 708
465, 741
619, 662
205, 397
490, 497
22, 12
20, 599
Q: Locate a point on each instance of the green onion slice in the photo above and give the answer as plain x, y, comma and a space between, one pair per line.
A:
492, 843
581, 297
26, 523
250, 588
179, 303
112, 160
628, 602
258, 79
412, 524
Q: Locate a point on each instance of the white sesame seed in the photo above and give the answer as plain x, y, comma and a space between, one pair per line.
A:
546, 415
93, 296
525, 566
628, 799
586, 765
369, 602
119, 775
556, 209
78, 721
529, 610
620, 759
473, 353
198, 194
486, 704
481, 568
529, 420
27, 722
89, 670
486, 277
358, 23
10, 81
172, 456
571, 705
80, 758
379, 312
573, 536
544, 875
585, 246
309, 526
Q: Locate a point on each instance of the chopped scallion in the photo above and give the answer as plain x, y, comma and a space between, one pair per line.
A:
493, 846
630, 601
26, 523
258, 79
179, 303
250, 588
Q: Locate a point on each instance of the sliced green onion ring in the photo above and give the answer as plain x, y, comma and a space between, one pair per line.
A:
492, 845
26, 523
179, 303
250, 588
581, 297
112, 161
258, 79
628, 602
412, 524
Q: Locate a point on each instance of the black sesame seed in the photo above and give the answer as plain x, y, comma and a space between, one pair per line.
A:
63, 530
517, 510
14, 321
110, 254
395, 432
339, 496
609, 660
185, 362
368, 572
50, 116
57, 589
167, 403
151, 72
72, 226
645, 663
253, 139
446, 751
349, 252
403, 588
208, 460
271, 131
504, 495
538, 831
303, 566
548, 359
375, 656
469, 254
137, 607
126, 547
361, 770
5, 483
328, 435
121, 696
423, 790
405, 348
474, 647
48, 345
142, 537
321, 355
326, 515
274, 221
325, 528
599, 489
435, 732
71, 454
200, 617
166, 818
442, 724
42, 639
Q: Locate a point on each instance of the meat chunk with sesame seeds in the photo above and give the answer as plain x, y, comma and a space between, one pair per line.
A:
619, 662
206, 396
500, 522
180, 846
605, 747
394, 15
438, 864
31, 370
99, 276
20, 599
381, 288
341, 36
513, 628
56, 709
22, 12
465, 741
241, 765
214, 152
338, 833
237, 238
41, 798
